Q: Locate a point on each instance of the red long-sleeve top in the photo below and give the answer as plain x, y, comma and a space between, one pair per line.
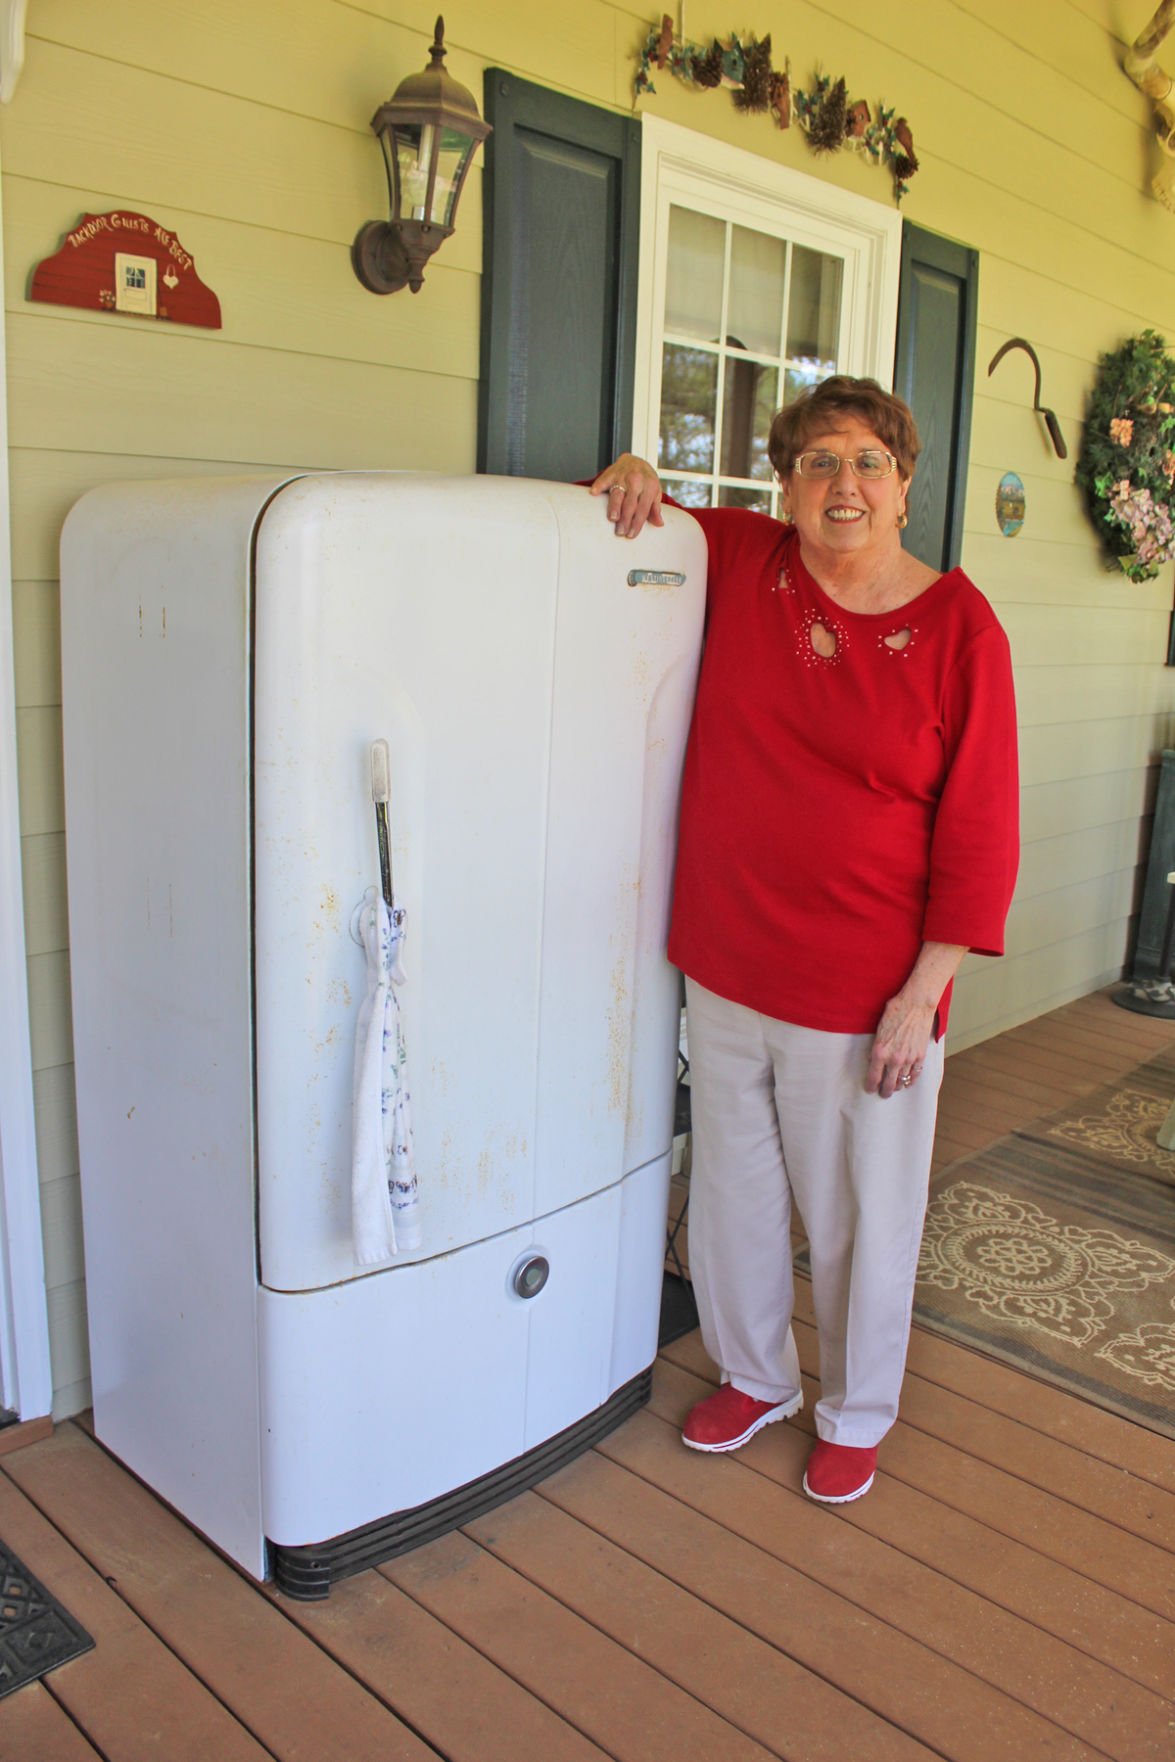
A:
839, 809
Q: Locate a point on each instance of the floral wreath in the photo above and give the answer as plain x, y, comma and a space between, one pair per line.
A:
1127, 462
824, 113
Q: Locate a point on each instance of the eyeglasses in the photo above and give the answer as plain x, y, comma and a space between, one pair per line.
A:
870, 463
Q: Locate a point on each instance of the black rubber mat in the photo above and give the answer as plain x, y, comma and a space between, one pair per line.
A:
679, 1312
36, 1634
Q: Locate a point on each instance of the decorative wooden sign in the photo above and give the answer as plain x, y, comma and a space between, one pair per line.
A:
120, 262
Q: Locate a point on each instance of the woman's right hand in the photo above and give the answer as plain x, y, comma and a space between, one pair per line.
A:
633, 490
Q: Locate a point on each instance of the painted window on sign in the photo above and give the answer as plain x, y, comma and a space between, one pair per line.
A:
750, 319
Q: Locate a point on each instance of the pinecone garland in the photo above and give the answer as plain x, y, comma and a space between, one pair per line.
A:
757, 78
708, 70
827, 128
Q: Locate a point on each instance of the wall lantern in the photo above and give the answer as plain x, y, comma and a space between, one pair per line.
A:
429, 132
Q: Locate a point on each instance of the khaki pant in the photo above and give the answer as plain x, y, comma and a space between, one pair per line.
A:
781, 1113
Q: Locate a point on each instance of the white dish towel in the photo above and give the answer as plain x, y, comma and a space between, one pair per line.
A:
385, 1200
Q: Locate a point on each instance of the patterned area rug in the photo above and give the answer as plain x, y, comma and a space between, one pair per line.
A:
1119, 1125
1054, 1250
36, 1634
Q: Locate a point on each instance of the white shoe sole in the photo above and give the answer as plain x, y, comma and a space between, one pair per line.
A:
838, 1498
786, 1410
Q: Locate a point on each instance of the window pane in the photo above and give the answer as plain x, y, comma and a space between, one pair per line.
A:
758, 499
749, 402
689, 385
801, 376
689, 493
813, 319
693, 282
756, 291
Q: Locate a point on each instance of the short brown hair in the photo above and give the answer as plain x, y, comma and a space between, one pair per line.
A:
812, 413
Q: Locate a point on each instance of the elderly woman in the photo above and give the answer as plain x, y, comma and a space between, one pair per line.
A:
848, 832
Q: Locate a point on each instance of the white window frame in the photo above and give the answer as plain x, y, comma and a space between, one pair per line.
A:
680, 166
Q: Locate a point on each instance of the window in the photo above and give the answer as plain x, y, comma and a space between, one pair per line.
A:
755, 283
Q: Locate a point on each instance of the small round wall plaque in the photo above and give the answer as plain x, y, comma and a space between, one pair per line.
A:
1009, 504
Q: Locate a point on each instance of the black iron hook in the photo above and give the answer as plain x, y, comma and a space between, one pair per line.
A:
1051, 423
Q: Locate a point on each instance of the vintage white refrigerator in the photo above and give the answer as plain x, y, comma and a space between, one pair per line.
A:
232, 648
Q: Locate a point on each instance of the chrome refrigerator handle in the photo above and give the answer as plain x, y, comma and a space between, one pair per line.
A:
381, 791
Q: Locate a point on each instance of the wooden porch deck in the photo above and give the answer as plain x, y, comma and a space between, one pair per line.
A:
1007, 1591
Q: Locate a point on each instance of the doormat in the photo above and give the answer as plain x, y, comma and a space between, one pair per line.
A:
1119, 1125
1046, 1254
36, 1634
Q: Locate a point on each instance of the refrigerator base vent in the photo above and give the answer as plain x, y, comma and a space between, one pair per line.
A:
307, 1573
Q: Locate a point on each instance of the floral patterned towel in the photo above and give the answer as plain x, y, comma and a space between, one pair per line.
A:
385, 1200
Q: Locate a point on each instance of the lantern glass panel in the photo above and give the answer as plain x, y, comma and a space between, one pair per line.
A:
415, 147
452, 154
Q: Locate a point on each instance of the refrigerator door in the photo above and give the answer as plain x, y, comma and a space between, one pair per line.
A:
535, 703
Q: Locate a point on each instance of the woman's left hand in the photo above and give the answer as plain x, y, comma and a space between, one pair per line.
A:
907, 1021
899, 1046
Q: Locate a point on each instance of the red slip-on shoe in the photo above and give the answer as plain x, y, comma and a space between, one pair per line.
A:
729, 1418
837, 1473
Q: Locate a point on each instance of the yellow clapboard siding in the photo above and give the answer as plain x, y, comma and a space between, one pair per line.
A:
1062, 694
967, 1029
36, 636
50, 1027
46, 915
55, 1108
1048, 810
1054, 516
39, 770
305, 177
1081, 48
1019, 299
1038, 919
913, 62
1054, 635
68, 1341
1008, 436
992, 995
1059, 750
1002, 222
88, 387
1047, 865
325, 60
46, 482
1065, 378
61, 1222
275, 292
571, 48
1058, 566
339, 61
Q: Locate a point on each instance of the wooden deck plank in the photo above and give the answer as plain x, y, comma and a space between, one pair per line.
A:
1084, 1053
1044, 1407
132, 1698
1142, 1506
758, 1688
1005, 1591
617, 1700
903, 1620
33, 1728
278, 1684
1137, 1506
953, 1621
997, 1494
1010, 1573
1054, 1063
459, 1701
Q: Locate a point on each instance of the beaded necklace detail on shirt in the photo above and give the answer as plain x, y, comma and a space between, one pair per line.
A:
821, 628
